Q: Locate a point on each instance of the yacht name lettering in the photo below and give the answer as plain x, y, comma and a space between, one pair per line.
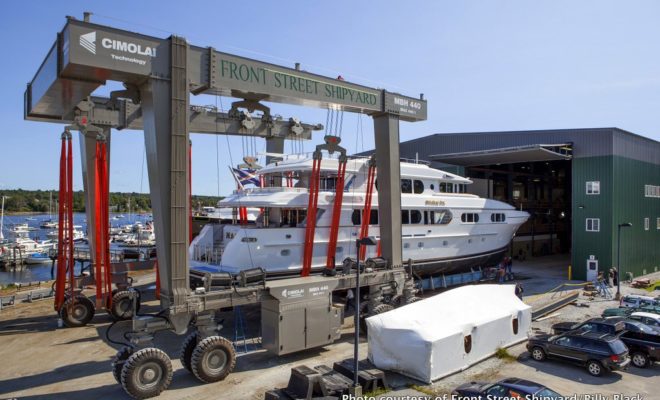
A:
434, 203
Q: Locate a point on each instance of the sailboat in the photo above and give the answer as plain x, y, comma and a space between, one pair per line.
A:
49, 223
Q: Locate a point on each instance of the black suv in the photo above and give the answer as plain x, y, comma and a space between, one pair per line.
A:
600, 325
643, 342
597, 351
509, 388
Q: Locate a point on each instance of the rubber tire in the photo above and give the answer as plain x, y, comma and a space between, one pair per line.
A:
130, 373
84, 310
364, 308
198, 361
187, 348
396, 300
414, 299
540, 354
640, 356
118, 362
381, 308
122, 305
596, 371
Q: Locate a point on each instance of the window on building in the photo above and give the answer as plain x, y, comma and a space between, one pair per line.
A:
593, 225
651, 191
470, 218
418, 186
498, 217
406, 186
647, 224
657, 223
593, 187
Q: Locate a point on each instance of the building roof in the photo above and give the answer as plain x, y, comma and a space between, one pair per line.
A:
586, 142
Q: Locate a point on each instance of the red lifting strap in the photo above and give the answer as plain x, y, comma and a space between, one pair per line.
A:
103, 272
330, 261
310, 228
366, 211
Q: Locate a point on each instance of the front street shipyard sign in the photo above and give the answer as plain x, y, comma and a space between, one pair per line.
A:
250, 76
244, 75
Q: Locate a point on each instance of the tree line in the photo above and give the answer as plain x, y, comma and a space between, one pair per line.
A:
38, 201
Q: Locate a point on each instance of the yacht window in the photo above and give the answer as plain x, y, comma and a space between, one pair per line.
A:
442, 217
498, 217
373, 218
355, 217
328, 184
418, 186
432, 186
450, 188
406, 186
428, 217
463, 188
405, 217
442, 187
415, 216
470, 218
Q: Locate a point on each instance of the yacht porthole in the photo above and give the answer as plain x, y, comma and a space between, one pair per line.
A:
340, 249
444, 242
285, 252
420, 244
406, 245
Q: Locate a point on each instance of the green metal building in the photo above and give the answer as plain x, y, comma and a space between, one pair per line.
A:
578, 185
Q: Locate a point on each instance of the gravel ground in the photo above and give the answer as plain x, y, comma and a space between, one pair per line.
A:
43, 362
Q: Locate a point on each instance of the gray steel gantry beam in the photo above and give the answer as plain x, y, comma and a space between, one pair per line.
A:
164, 72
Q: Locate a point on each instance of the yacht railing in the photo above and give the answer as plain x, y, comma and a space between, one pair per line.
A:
208, 253
273, 189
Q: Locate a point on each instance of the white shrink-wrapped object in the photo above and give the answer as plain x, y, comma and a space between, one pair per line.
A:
449, 332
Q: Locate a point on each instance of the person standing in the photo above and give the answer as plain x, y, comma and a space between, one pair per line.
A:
509, 265
350, 300
615, 277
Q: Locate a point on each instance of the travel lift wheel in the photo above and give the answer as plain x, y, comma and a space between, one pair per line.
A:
122, 305
119, 360
213, 359
146, 373
77, 311
379, 309
187, 348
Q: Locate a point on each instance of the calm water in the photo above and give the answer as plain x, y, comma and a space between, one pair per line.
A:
42, 272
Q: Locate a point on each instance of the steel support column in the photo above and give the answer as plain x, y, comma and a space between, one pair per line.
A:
165, 106
388, 172
88, 164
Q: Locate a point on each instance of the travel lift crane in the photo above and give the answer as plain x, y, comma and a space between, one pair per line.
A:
159, 75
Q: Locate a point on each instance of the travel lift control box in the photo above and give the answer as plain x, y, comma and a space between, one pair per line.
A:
300, 315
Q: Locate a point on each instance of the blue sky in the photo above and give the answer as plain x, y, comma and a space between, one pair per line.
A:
483, 66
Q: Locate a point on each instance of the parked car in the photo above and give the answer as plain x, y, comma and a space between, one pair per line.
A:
649, 319
599, 325
638, 301
643, 342
509, 388
598, 352
624, 312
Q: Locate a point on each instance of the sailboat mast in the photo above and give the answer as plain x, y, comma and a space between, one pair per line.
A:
2, 219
